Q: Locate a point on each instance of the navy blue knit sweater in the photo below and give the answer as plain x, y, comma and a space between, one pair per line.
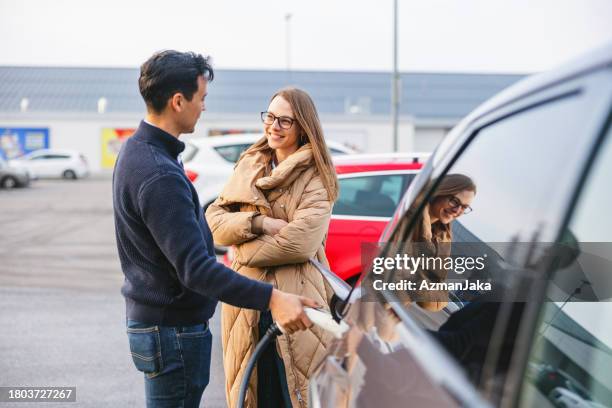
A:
172, 276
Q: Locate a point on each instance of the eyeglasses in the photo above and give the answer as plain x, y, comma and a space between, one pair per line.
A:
285, 122
455, 204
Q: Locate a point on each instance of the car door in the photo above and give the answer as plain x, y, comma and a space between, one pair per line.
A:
365, 204
570, 357
37, 164
526, 158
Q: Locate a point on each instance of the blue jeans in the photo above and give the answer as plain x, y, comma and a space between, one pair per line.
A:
175, 362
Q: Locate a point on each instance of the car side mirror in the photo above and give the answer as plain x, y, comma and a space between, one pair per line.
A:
341, 289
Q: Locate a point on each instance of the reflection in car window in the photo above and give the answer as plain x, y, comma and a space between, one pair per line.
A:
373, 196
232, 153
525, 167
571, 357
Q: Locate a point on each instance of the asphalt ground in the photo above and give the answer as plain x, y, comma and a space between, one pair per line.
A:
62, 316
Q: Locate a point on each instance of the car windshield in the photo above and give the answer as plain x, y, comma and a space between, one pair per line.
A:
232, 153
27, 156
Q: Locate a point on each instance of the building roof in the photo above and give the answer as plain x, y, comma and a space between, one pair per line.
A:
424, 95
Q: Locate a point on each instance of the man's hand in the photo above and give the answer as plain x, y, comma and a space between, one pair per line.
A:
288, 310
271, 226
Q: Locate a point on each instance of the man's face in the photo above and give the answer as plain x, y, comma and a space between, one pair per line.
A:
191, 110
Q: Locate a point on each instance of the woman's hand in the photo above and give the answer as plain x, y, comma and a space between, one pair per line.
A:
271, 226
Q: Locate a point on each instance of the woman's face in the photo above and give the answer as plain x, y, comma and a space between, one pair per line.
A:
446, 208
278, 137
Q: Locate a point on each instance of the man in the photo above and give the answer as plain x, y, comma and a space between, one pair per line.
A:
172, 277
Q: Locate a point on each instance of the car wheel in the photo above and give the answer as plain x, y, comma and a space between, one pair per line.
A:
9, 182
69, 175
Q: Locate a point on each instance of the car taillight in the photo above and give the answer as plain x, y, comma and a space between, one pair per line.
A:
228, 258
191, 175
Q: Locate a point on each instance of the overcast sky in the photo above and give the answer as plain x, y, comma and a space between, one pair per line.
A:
434, 35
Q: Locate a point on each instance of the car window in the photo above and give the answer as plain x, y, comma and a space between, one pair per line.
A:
524, 168
189, 153
335, 151
50, 157
571, 356
373, 196
232, 153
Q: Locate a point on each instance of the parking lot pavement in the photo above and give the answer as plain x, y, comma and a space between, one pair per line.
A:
61, 312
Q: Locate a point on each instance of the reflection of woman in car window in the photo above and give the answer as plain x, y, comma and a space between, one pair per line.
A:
432, 233
275, 210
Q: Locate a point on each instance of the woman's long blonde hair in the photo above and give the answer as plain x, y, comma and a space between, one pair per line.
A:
310, 132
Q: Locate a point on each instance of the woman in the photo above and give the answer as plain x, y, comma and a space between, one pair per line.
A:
275, 210
432, 234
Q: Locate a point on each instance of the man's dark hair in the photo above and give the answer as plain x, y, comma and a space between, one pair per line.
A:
169, 72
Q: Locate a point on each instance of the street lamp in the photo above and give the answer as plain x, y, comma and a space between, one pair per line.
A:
576, 291
23, 105
395, 84
288, 40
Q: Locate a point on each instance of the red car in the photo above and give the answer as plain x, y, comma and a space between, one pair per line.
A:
371, 186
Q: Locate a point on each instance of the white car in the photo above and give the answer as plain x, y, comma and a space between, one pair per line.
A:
209, 161
565, 398
53, 163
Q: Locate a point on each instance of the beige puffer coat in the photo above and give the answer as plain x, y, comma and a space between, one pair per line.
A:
292, 192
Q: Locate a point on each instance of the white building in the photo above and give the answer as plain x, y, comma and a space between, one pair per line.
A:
91, 109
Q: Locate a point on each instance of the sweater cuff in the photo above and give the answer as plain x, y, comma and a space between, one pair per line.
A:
257, 224
263, 298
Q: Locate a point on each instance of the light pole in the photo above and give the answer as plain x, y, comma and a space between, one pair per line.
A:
395, 84
288, 40
576, 291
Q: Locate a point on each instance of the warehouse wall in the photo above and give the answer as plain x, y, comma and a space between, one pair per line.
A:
84, 132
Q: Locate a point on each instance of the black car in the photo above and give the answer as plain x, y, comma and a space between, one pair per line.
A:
540, 154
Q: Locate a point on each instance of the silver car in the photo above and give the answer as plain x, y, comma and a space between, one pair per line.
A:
11, 177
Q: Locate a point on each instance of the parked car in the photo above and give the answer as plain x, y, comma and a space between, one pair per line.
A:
549, 378
566, 398
11, 177
540, 154
209, 162
371, 186
53, 163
